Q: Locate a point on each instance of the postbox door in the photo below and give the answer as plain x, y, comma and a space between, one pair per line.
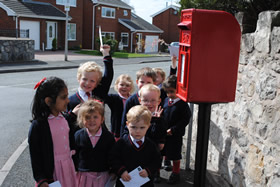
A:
183, 71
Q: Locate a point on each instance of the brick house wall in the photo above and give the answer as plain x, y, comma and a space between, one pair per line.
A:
124, 29
111, 24
87, 24
6, 22
107, 24
77, 17
167, 21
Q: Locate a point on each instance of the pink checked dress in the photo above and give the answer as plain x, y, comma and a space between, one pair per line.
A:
93, 179
64, 170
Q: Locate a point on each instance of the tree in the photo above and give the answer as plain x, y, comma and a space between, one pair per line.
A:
231, 6
253, 7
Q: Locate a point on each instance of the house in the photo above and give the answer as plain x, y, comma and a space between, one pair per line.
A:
118, 22
75, 24
46, 20
167, 20
38, 18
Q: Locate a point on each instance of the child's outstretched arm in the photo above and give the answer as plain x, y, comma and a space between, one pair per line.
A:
173, 67
105, 83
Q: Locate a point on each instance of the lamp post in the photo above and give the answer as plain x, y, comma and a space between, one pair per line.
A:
67, 9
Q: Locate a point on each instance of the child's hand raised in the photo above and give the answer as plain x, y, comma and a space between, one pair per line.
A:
76, 109
105, 50
143, 173
173, 62
157, 112
125, 176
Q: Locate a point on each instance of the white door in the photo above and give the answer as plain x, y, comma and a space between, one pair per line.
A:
151, 44
139, 42
51, 33
34, 31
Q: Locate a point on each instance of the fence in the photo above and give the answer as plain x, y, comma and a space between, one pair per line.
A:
17, 33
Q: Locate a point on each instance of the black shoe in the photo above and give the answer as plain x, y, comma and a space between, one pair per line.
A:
167, 165
157, 177
174, 178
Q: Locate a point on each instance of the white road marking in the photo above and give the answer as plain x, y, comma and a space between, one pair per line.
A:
11, 161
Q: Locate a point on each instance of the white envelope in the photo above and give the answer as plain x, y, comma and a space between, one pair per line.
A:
55, 184
136, 179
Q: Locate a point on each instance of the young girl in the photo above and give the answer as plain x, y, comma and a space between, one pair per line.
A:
51, 136
93, 143
124, 86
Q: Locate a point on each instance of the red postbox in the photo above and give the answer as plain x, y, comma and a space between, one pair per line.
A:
208, 56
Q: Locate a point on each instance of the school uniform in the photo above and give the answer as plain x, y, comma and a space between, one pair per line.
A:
130, 102
163, 94
156, 132
93, 156
100, 91
126, 156
116, 104
41, 147
177, 115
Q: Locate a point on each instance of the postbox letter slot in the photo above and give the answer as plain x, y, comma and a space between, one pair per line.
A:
185, 25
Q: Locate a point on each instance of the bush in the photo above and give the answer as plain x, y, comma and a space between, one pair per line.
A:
54, 44
112, 43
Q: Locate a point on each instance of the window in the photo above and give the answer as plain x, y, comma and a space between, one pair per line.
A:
108, 12
50, 31
110, 35
71, 31
124, 39
63, 2
125, 12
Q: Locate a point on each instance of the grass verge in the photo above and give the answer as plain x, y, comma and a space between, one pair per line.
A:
116, 54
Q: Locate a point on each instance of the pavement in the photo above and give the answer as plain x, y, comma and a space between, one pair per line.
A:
51, 60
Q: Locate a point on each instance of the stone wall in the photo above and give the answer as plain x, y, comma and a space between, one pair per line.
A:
16, 49
244, 141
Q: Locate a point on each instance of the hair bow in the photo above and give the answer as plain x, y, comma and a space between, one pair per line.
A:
97, 100
39, 83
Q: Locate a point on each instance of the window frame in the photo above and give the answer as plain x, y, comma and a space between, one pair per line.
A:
125, 13
103, 34
108, 8
73, 3
68, 32
127, 34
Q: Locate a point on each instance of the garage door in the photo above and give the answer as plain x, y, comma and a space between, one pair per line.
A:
34, 31
151, 44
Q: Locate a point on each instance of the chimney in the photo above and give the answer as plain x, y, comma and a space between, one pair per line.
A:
166, 4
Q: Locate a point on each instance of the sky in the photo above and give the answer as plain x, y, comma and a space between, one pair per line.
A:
146, 8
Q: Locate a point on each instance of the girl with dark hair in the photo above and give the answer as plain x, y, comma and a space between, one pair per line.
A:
51, 135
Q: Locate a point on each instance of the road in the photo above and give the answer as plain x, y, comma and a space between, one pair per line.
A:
17, 92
